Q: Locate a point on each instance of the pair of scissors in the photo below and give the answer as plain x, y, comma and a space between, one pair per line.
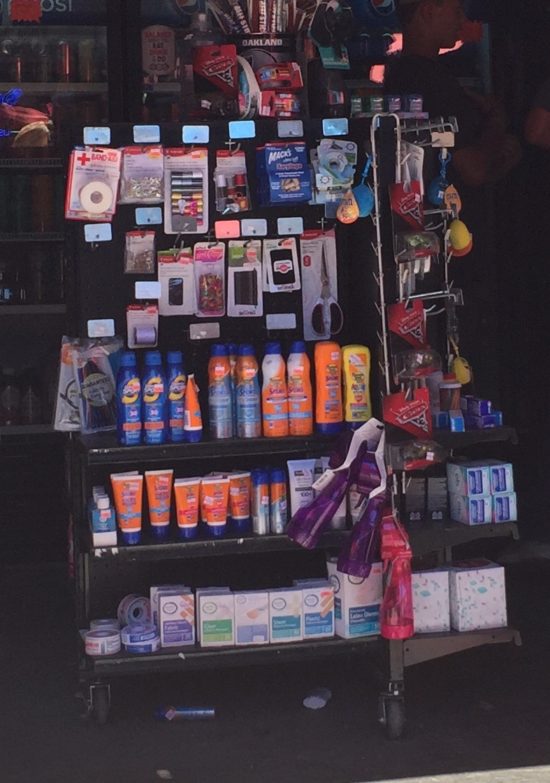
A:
327, 317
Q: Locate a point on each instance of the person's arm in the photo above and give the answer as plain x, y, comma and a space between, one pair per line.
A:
537, 127
487, 161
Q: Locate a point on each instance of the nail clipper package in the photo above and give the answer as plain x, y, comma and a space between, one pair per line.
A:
139, 253
142, 179
281, 268
92, 184
283, 173
209, 261
185, 191
176, 275
245, 296
312, 244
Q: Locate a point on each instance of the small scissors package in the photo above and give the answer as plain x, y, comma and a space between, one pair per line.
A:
311, 253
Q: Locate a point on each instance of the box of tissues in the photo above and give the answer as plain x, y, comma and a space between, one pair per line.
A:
478, 595
431, 603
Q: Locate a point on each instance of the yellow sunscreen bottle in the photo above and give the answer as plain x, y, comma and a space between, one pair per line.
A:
356, 362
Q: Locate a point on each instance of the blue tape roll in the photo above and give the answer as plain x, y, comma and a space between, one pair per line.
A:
138, 633
145, 648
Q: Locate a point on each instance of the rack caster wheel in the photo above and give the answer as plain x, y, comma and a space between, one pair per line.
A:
100, 702
393, 717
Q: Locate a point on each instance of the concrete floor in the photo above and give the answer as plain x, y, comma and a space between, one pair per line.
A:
487, 709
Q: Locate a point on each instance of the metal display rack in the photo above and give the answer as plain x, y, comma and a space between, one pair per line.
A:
104, 575
386, 134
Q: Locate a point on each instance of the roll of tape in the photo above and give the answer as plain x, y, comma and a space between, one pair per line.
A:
134, 609
138, 633
145, 335
96, 197
145, 648
102, 642
99, 625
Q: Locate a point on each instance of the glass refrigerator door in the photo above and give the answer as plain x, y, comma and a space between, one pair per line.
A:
53, 71
166, 29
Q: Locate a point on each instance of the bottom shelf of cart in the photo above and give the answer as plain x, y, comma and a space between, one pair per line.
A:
428, 647
187, 658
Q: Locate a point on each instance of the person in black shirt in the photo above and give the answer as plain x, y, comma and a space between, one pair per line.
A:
484, 151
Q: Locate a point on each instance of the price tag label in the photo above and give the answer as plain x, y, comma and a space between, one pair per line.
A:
290, 129
195, 134
146, 134
95, 136
148, 216
242, 129
291, 225
98, 232
147, 289
338, 126
102, 327
254, 227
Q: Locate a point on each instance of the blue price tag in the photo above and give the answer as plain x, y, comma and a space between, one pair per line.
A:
103, 327
148, 216
195, 134
288, 129
336, 127
146, 134
254, 227
98, 232
95, 136
242, 129
147, 289
290, 225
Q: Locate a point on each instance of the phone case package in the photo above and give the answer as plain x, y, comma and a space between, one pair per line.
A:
177, 282
281, 268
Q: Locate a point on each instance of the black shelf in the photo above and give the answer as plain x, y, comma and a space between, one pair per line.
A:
430, 646
19, 430
206, 547
192, 658
424, 538
38, 236
53, 309
32, 163
451, 441
103, 449
433, 536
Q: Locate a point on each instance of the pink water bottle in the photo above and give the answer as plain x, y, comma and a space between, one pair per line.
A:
396, 612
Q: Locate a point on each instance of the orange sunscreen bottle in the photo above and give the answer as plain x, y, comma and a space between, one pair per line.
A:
128, 496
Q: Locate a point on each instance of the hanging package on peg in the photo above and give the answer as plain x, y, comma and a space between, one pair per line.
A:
186, 191
177, 282
142, 177
139, 253
319, 276
209, 262
281, 268
231, 182
245, 295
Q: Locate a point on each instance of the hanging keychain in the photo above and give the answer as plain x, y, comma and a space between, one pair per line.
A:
363, 192
439, 186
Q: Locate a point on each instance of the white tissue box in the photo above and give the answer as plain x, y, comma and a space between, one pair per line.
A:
431, 602
478, 595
